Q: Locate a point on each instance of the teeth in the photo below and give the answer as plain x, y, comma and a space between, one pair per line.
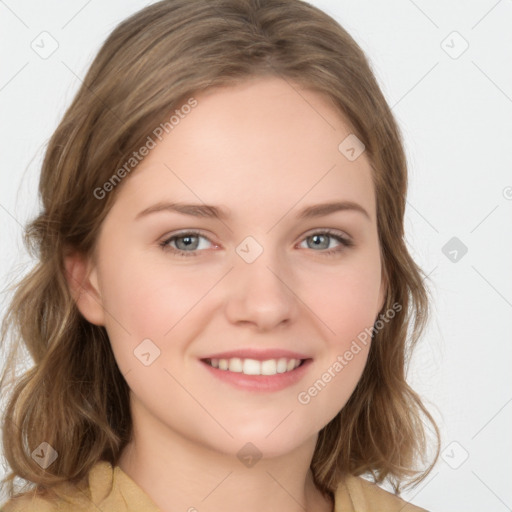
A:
269, 367
251, 367
282, 365
254, 367
235, 365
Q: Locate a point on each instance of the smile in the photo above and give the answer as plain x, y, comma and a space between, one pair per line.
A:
267, 375
255, 367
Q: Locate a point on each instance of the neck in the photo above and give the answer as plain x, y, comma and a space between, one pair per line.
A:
179, 474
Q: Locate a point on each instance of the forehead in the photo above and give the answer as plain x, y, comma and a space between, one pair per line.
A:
264, 141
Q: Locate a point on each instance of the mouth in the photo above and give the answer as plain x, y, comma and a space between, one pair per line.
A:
253, 375
247, 366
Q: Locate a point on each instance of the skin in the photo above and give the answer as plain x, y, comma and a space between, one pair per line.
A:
264, 150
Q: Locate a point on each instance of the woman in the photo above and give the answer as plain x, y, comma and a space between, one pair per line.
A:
262, 372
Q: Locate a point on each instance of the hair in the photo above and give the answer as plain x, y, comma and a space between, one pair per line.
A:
74, 396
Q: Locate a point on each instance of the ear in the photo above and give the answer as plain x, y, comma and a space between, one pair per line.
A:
82, 279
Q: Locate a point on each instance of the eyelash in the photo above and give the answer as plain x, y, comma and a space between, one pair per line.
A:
327, 252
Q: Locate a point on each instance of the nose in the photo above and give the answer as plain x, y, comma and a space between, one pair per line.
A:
261, 293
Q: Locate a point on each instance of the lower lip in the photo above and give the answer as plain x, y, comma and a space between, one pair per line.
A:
261, 382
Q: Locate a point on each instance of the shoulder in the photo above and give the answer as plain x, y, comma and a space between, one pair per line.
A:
33, 501
359, 495
66, 497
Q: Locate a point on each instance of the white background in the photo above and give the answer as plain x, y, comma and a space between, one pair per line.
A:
455, 112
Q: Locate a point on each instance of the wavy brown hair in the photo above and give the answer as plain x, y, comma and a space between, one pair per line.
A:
74, 396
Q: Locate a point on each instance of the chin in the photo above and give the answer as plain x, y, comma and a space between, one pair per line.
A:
269, 441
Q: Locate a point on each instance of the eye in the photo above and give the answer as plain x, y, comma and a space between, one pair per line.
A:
187, 243
190, 243
321, 239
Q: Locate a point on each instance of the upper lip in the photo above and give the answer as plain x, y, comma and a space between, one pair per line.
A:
257, 354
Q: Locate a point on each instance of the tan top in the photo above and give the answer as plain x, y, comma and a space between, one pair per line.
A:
112, 490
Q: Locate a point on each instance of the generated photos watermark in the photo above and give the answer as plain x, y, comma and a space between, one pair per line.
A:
137, 156
304, 397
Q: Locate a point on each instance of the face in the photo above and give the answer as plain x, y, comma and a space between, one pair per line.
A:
262, 281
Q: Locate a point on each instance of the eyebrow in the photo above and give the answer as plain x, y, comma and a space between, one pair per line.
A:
217, 212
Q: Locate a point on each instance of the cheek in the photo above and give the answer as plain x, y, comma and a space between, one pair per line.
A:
145, 300
323, 397
347, 301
